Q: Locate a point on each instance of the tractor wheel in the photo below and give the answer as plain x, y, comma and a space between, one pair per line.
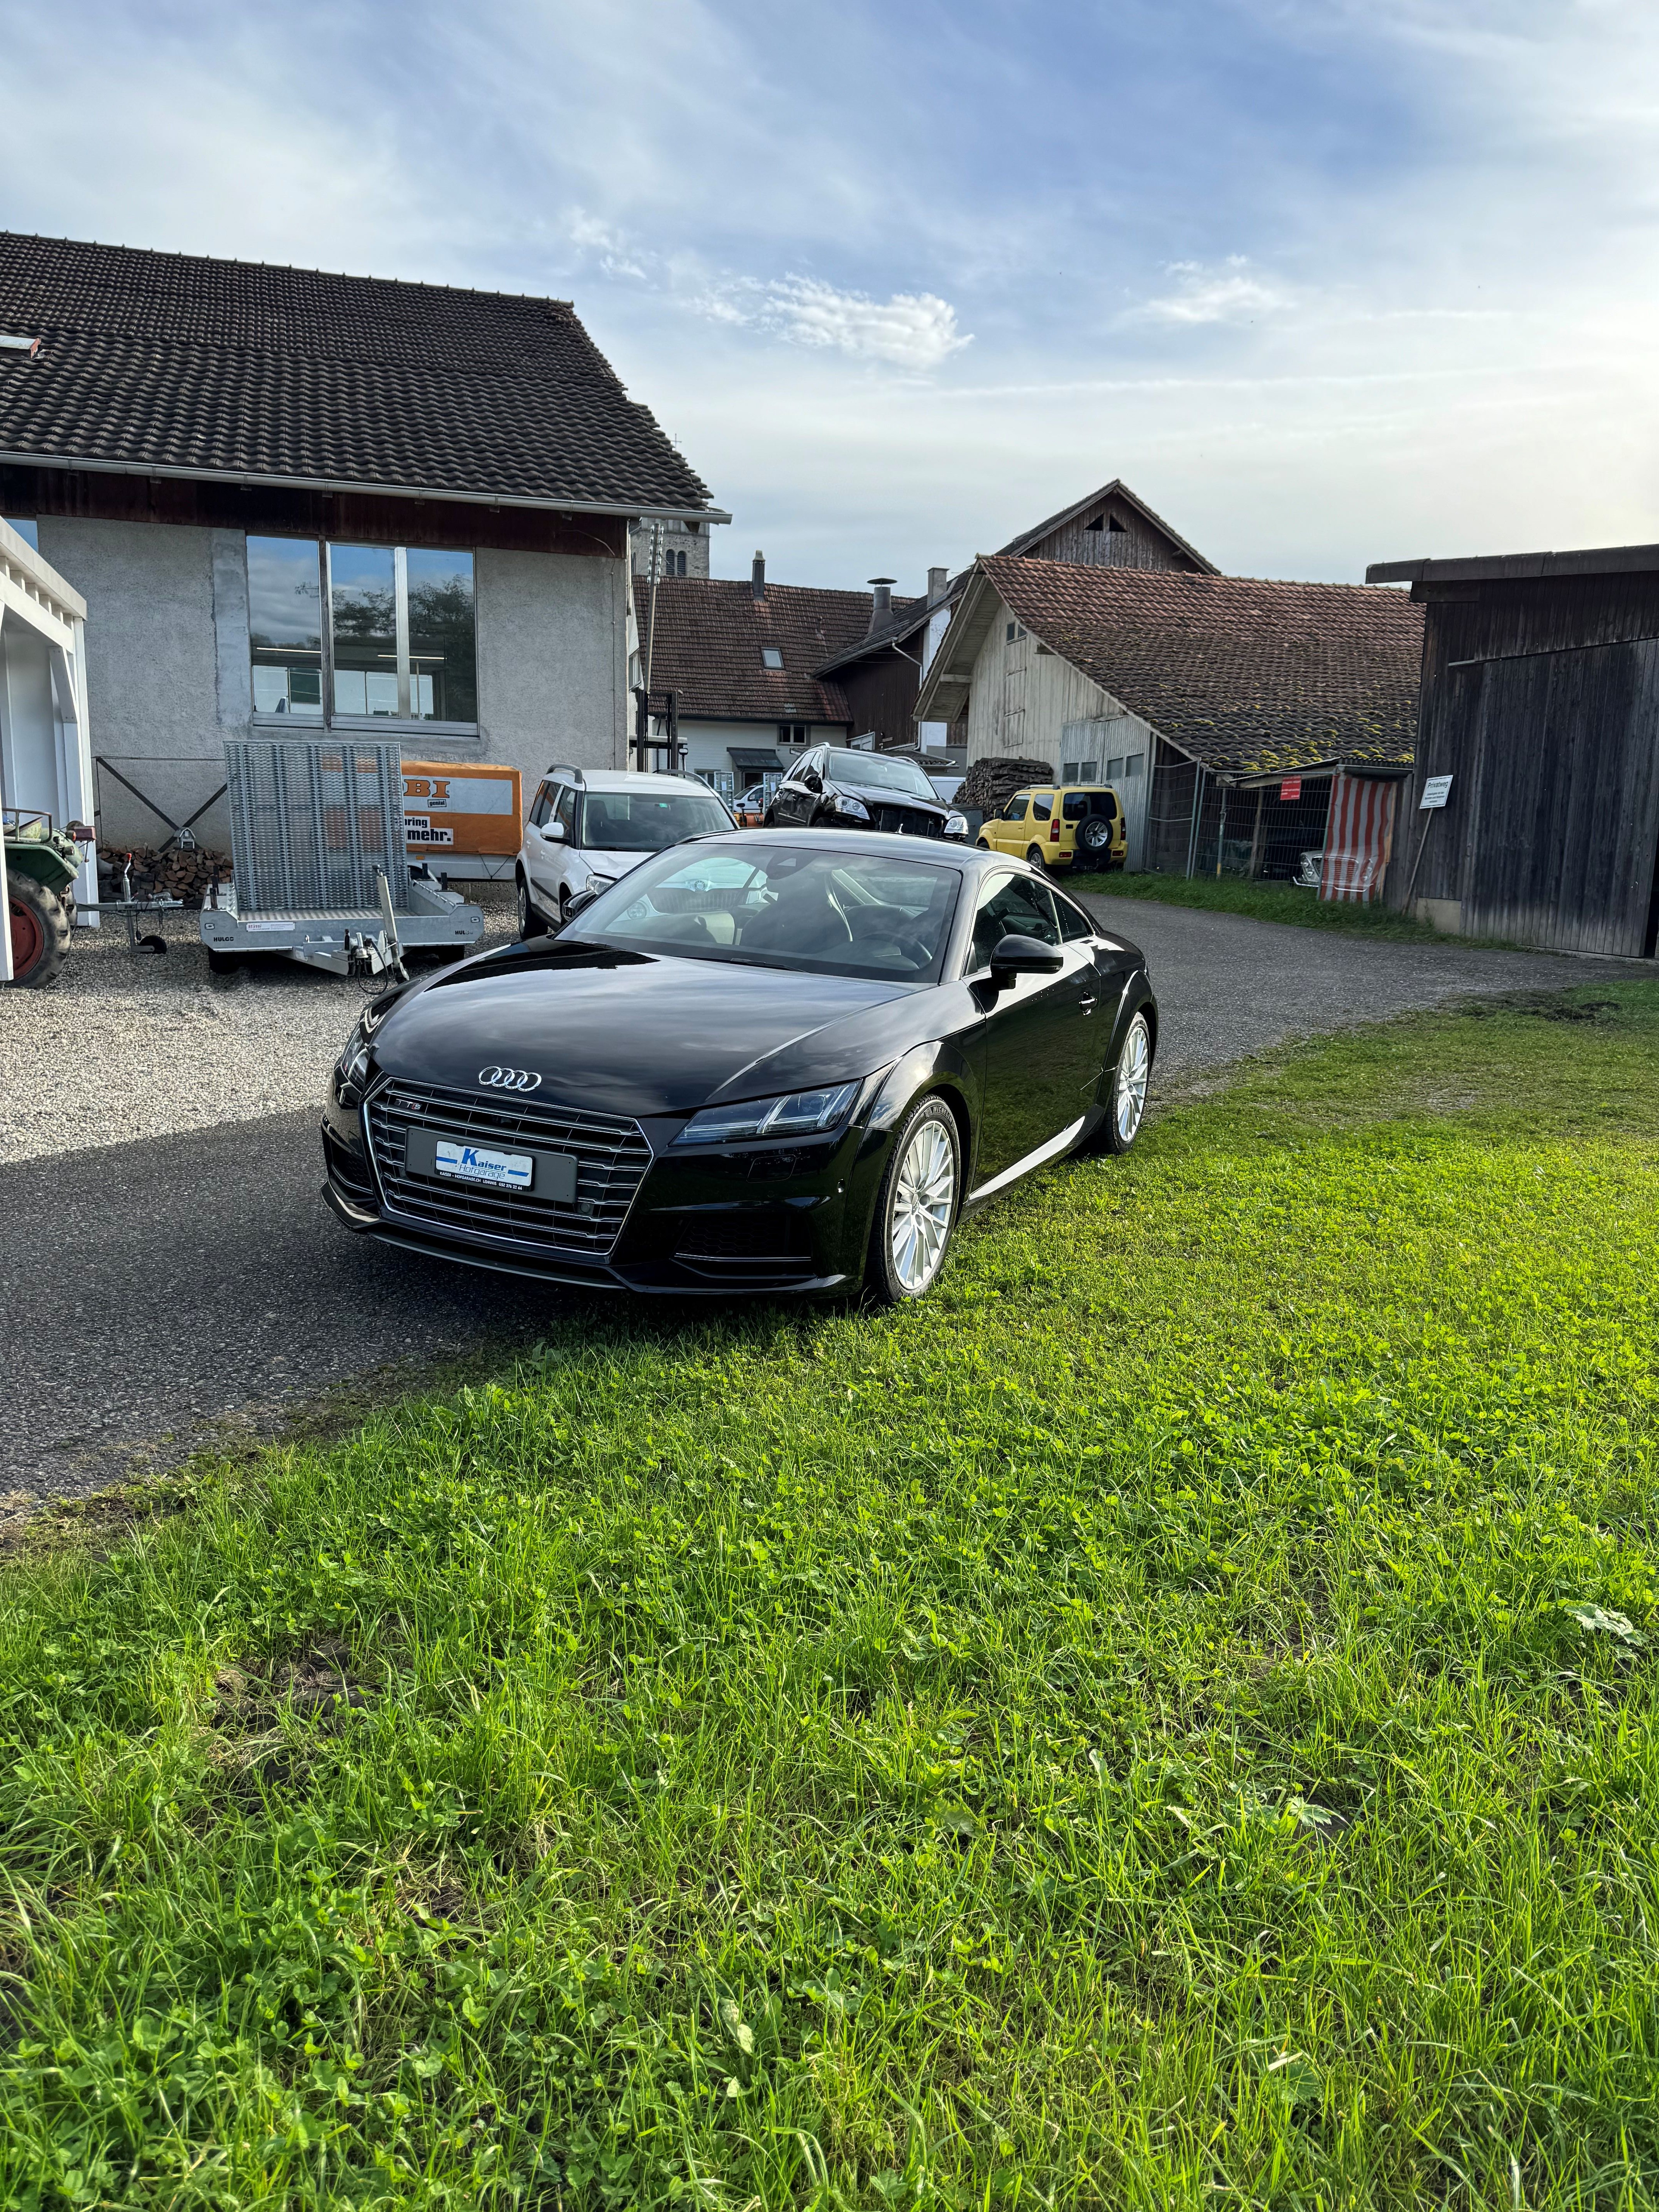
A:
39, 932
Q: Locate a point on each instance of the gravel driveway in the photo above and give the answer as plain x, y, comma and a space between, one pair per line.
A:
127, 1045
185, 1283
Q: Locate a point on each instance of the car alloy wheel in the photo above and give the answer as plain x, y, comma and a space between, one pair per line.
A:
1095, 834
917, 1205
1131, 1073
530, 922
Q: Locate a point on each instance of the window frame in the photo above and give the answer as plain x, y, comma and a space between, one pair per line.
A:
400, 724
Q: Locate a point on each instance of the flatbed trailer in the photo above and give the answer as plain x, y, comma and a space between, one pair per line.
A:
319, 869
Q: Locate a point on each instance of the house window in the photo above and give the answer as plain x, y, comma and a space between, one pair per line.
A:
771, 656
401, 627
673, 563
792, 734
1015, 631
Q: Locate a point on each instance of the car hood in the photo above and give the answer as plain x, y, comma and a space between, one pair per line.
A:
625, 1033
874, 797
604, 863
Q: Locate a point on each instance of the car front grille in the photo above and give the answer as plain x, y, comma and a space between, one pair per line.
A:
611, 1156
903, 821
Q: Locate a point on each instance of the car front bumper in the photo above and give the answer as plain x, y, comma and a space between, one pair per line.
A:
786, 1218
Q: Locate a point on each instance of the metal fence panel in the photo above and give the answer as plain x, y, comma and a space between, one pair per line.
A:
311, 822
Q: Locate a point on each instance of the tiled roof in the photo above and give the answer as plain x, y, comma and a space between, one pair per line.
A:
710, 637
1243, 675
172, 362
908, 615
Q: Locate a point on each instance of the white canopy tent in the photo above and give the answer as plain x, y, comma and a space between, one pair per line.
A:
46, 743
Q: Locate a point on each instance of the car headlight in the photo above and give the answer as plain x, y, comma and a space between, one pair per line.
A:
802, 1114
351, 1070
352, 1066
956, 825
854, 809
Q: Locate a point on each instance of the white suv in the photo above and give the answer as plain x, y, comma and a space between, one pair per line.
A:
587, 828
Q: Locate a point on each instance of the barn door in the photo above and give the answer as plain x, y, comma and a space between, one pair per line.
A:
1560, 835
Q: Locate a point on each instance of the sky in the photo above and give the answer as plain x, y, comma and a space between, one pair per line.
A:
1325, 282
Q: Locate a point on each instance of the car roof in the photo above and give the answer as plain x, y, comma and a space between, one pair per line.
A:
622, 778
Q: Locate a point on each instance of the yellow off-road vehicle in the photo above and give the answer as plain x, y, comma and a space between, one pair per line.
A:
1074, 826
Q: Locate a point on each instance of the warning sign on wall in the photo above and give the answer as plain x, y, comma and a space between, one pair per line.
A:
472, 807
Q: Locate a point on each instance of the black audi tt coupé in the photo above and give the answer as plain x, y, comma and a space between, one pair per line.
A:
765, 1060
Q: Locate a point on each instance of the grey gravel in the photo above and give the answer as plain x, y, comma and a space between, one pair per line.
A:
125, 1045
188, 1286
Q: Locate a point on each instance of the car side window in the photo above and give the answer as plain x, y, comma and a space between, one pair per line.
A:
1074, 924
1040, 807
1012, 906
1015, 810
565, 811
543, 806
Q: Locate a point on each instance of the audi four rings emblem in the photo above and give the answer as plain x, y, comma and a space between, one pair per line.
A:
508, 1078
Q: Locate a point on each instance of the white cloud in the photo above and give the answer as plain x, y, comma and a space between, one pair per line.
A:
915, 331
1223, 294
604, 244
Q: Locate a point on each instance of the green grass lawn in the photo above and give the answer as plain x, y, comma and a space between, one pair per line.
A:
1170, 1722
1266, 901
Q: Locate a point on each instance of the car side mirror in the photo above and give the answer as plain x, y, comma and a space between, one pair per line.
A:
1026, 956
812, 779
579, 902
554, 832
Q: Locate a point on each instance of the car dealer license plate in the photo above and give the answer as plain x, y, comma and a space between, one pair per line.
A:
474, 1163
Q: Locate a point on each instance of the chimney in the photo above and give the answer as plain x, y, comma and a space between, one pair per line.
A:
939, 582
757, 576
881, 604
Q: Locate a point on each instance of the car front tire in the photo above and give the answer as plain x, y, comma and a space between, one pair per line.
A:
1127, 1086
530, 922
920, 1198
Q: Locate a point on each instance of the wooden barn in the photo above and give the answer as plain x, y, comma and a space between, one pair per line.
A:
1540, 699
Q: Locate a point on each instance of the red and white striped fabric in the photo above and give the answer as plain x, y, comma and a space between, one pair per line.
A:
1359, 838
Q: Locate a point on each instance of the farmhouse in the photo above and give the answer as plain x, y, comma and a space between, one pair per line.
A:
297, 503
1540, 702
1239, 720
745, 661
881, 674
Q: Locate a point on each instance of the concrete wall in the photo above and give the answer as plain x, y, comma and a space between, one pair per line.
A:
168, 663
552, 661
153, 666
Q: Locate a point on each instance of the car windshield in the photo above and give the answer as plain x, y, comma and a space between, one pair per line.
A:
873, 773
646, 821
835, 914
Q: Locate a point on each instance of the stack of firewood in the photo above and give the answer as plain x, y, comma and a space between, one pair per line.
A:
990, 784
168, 872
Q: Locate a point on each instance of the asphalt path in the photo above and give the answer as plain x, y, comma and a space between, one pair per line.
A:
187, 1289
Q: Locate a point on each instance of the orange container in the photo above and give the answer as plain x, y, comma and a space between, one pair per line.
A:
456, 807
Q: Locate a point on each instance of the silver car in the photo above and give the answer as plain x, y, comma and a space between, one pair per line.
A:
587, 828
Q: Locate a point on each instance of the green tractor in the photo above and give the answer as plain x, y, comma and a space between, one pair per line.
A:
41, 864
